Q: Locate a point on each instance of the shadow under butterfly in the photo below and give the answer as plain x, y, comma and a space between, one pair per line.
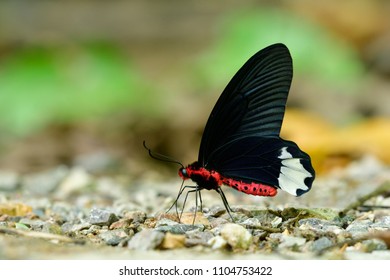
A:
241, 147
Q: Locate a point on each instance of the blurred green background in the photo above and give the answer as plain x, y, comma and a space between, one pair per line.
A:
86, 78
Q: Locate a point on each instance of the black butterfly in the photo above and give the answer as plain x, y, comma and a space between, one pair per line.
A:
241, 146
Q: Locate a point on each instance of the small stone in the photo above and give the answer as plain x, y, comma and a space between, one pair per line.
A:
136, 216
77, 179
53, 228
218, 222
236, 236
321, 243
319, 226
373, 245
381, 223
70, 227
33, 224
9, 180
194, 238
102, 217
14, 209
287, 241
179, 228
216, 211
251, 222
276, 222
166, 222
113, 237
217, 242
200, 219
359, 228
173, 241
146, 239
45, 182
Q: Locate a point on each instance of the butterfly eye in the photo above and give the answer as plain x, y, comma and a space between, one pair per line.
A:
183, 173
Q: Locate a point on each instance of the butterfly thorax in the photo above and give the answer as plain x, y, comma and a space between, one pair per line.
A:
204, 178
211, 180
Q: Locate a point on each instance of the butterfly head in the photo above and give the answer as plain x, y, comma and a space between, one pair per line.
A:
183, 173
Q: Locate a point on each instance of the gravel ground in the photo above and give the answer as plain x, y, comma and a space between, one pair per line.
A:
69, 213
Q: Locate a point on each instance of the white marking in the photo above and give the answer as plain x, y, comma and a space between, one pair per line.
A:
292, 173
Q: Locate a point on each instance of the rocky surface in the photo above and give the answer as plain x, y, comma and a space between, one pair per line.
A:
71, 213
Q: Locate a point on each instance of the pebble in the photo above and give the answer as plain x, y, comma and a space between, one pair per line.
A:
113, 237
217, 242
359, 228
373, 245
216, 211
194, 238
236, 236
102, 217
179, 228
76, 179
381, 223
146, 239
200, 219
51, 227
321, 243
32, 223
70, 227
45, 182
9, 181
287, 241
319, 226
173, 241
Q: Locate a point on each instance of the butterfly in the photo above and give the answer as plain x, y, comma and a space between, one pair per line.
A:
241, 145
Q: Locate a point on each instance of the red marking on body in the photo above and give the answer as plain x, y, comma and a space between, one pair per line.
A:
210, 179
250, 188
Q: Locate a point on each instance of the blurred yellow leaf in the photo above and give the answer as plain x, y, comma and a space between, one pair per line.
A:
330, 146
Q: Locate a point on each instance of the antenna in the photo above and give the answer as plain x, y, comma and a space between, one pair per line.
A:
161, 157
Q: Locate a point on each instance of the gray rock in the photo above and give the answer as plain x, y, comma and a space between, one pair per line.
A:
374, 244
75, 180
165, 222
146, 239
179, 228
287, 241
9, 181
236, 236
94, 229
359, 228
33, 224
217, 242
215, 211
251, 222
113, 237
45, 182
321, 243
70, 227
194, 238
320, 226
102, 217
51, 227
381, 223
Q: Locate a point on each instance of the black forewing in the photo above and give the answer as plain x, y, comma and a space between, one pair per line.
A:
268, 160
253, 103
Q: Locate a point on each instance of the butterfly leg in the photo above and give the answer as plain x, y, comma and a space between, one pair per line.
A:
225, 202
198, 197
182, 187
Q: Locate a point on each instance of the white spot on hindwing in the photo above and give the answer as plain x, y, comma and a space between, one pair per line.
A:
292, 173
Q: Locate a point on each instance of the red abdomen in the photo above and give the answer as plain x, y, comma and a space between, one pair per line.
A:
250, 188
